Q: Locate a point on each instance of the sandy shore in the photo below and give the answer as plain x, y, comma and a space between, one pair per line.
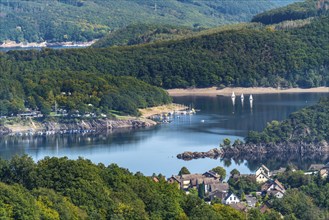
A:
213, 91
147, 112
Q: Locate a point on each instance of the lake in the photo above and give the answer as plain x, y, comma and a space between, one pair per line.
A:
154, 150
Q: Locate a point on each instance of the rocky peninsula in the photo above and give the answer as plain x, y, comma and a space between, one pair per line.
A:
245, 151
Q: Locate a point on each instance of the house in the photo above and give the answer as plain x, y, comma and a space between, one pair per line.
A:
175, 179
316, 167
324, 171
276, 193
222, 187
264, 208
273, 185
187, 181
216, 194
211, 174
263, 169
276, 172
239, 206
262, 174
251, 200
262, 178
230, 199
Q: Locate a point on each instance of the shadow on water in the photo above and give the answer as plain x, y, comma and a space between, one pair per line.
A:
15, 145
155, 149
275, 161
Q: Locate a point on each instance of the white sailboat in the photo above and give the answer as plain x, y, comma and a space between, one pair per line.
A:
251, 98
233, 95
242, 96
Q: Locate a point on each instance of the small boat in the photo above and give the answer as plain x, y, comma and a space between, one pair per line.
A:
242, 96
233, 96
202, 121
251, 98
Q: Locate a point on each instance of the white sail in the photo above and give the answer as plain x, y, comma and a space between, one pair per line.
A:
242, 97
233, 95
250, 97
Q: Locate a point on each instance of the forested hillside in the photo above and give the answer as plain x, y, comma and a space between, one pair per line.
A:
85, 20
244, 57
296, 11
309, 125
59, 188
85, 92
141, 34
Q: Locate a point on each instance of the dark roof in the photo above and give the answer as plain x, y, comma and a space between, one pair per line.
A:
224, 187
316, 167
251, 201
281, 170
277, 182
217, 194
263, 208
238, 206
211, 173
228, 195
264, 167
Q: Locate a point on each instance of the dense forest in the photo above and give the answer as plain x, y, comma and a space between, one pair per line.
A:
85, 92
59, 188
310, 125
142, 33
295, 11
85, 20
107, 79
244, 57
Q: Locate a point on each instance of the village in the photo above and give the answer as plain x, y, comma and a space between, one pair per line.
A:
211, 186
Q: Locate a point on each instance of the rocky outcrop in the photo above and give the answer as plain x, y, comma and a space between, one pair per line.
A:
99, 124
213, 153
78, 126
257, 150
4, 130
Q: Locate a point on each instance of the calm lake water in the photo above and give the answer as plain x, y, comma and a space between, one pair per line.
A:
154, 150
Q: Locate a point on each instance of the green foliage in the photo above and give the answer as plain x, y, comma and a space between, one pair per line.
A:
243, 184
221, 171
242, 57
183, 171
295, 11
309, 125
85, 92
79, 189
234, 172
142, 34
299, 204
227, 142
77, 20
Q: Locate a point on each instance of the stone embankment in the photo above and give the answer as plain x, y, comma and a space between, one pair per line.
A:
4, 130
99, 124
75, 126
246, 150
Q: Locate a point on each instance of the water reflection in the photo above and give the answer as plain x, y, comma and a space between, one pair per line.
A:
154, 150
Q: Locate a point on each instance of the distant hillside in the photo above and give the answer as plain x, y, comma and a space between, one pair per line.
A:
84, 20
243, 57
296, 11
141, 34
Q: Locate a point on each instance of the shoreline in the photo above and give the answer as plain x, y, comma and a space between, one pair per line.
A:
13, 44
162, 109
29, 127
213, 91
